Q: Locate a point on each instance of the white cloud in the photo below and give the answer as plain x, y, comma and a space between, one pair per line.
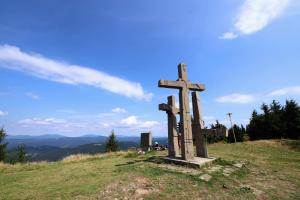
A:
133, 121
38, 121
32, 95
118, 110
236, 98
3, 113
209, 118
148, 124
106, 125
12, 57
255, 15
48, 125
228, 36
286, 91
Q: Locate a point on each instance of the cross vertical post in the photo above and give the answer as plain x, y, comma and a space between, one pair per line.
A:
173, 136
187, 149
172, 111
197, 126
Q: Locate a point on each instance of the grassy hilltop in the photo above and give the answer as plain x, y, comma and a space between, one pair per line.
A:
250, 170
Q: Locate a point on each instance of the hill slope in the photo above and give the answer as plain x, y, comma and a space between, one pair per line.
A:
251, 170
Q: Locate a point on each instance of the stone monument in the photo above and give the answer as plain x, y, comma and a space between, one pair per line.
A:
184, 85
187, 128
146, 141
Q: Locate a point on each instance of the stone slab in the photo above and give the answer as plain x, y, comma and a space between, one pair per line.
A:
205, 177
197, 162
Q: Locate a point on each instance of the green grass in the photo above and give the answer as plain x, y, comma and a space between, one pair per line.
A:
272, 171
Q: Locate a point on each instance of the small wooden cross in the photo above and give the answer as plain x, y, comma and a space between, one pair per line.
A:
172, 111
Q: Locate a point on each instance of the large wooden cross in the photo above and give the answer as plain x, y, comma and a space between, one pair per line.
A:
172, 111
184, 85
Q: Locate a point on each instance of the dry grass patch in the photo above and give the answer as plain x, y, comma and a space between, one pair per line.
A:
137, 188
86, 157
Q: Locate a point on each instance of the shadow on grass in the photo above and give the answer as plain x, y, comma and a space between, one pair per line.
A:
293, 144
153, 159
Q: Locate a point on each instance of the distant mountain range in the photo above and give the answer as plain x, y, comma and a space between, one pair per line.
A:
52, 140
53, 147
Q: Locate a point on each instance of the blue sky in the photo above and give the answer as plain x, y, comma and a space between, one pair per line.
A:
90, 67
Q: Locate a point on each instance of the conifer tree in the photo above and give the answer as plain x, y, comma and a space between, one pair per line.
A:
275, 121
213, 138
239, 134
254, 128
2, 144
291, 116
111, 143
21, 153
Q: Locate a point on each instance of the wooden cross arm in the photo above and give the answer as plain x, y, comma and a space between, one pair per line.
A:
168, 108
169, 84
180, 84
197, 87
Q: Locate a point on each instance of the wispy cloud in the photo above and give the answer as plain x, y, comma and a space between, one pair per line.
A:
3, 113
131, 125
228, 36
38, 125
236, 98
38, 121
12, 57
255, 15
285, 91
118, 110
32, 95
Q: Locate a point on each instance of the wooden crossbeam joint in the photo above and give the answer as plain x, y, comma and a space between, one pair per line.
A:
168, 108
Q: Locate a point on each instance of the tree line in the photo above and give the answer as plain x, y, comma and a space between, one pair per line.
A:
275, 121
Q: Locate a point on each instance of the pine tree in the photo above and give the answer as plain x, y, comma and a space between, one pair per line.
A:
2, 144
111, 143
254, 128
214, 138
239, 134
276, 119
21, 153
266, 128
291, 116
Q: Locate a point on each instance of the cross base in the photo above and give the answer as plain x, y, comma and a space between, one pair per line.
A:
196, 163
